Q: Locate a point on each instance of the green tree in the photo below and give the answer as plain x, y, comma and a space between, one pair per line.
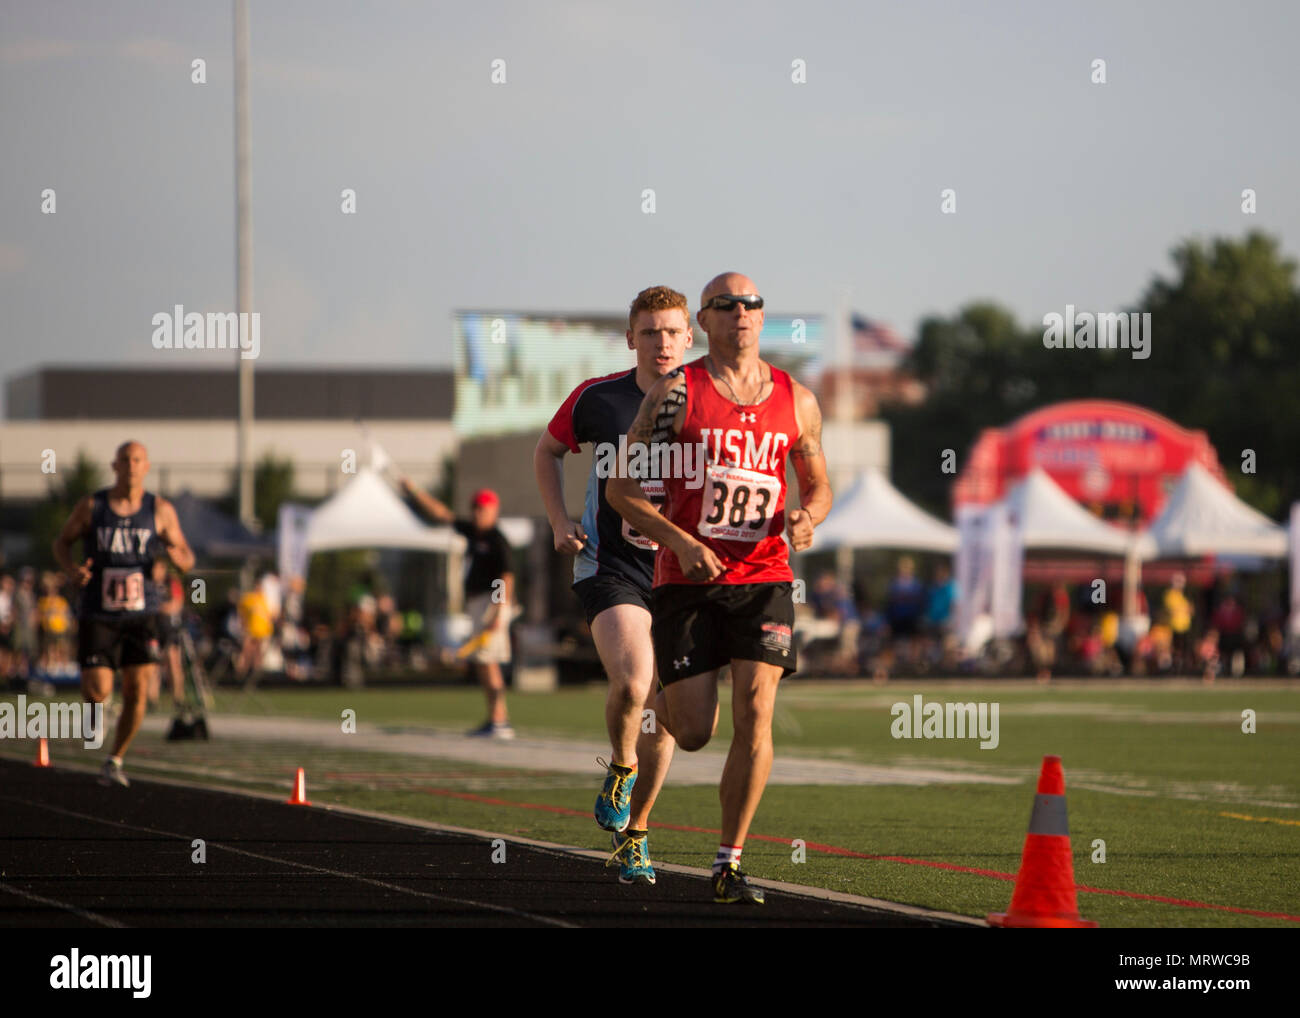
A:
333, 576
272, 485
66, 490
1225, 329
981, 370
273, 482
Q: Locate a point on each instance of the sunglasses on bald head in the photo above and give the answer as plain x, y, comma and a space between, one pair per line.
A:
728, 301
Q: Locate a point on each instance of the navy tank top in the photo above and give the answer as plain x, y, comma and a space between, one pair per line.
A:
121, 550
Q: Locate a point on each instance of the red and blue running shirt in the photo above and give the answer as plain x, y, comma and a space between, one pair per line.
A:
737, 506
601, 410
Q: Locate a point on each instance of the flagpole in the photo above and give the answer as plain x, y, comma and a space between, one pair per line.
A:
843, 415
843, 356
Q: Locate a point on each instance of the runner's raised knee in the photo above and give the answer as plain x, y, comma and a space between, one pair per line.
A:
691, 739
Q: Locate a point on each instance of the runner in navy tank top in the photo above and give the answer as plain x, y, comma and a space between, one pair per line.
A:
614, 567
722, 590
122, 529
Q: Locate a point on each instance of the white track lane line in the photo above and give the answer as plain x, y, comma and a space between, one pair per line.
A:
93, 917
803, 890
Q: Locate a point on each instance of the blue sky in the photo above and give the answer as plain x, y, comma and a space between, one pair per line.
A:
528, 194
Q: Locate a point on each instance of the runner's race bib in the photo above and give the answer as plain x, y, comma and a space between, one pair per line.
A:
654, 491
738, 504
122, 590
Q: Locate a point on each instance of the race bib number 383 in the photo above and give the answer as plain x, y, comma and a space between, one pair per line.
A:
123, 590
738, 504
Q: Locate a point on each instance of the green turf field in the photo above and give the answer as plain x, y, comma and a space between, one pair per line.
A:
1189, 806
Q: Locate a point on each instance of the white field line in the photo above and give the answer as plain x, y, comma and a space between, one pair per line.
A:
571, 756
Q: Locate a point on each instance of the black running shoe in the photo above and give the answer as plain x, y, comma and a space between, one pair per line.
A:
730, 887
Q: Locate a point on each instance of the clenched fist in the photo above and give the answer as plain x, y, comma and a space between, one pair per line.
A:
569, 538
699, 564
799, 529
81, 574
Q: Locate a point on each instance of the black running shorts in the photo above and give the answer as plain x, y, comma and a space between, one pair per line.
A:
117, 643
604, 591
168, 630
699, 627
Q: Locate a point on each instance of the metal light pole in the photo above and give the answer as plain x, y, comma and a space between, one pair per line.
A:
244, 259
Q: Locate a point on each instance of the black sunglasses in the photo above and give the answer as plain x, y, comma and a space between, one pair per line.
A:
728, 301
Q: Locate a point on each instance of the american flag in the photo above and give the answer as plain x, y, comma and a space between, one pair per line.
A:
875, 337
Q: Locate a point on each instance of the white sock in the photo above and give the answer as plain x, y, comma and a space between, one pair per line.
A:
727, 854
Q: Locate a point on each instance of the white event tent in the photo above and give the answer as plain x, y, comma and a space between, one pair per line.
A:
875, 514
1203, 517
1046, 517
1036, 514
367, 513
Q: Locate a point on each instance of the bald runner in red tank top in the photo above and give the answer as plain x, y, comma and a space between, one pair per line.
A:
739, 511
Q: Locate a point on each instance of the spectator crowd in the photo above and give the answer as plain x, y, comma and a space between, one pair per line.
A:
911, 631
267, 629
261, 630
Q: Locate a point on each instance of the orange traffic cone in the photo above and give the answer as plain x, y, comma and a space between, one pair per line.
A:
300, 790
1044, 894
42, 754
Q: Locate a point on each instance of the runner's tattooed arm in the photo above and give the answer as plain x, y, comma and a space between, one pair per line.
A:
809, 463
660, 420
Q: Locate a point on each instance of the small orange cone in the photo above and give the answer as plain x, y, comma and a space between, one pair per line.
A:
1044, 894
300, 790
42, 754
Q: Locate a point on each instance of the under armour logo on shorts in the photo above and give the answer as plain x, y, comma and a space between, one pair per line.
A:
680, 664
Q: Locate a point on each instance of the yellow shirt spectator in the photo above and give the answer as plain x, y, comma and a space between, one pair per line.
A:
1179, 609
54, 614
255, 615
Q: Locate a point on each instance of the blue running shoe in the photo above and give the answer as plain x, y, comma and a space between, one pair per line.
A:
633, 857
613, 809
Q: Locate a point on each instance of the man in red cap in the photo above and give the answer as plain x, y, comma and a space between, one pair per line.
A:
489, 594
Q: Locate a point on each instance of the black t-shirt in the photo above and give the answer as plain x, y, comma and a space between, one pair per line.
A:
488, 556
